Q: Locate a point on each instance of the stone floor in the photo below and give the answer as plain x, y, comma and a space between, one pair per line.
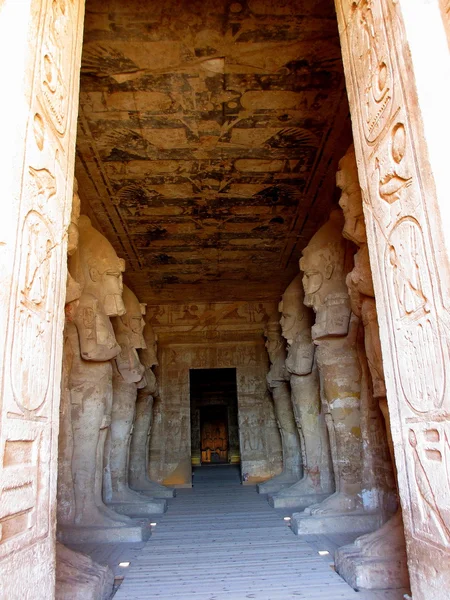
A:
222, 541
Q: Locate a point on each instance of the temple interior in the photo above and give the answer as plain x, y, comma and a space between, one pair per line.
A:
215, 174
242, 319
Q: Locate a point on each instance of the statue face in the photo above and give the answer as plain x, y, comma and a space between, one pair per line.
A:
360, 277
288, 321
98, 266
354, 227
110, 285
301, 355
149, 356
314, 269
351, 199
294, 315
324, 264
133, 320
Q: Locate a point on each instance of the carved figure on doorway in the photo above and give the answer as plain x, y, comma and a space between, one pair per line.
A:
325, 263
317, 481
140, 438
278, 386
378, 557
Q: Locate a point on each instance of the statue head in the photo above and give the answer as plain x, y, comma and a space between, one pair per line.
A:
359, 280
149, 356
351, 198
325, 263
128, 331
295, 317
296, 322
276, 349
97, 267
133, 320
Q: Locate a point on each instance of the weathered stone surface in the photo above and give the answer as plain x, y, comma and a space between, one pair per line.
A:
78, 577
278, 385
400, 120
40, 74
325, 263
317, 482
378, 559
140, 440
127, 372
222, 335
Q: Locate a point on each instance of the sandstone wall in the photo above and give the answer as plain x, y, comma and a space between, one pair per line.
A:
225, 335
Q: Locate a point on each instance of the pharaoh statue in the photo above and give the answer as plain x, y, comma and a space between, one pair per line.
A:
92, 580
127, 373
89, 346
325, 263
317, 482
377, 559
277, 383
140, 439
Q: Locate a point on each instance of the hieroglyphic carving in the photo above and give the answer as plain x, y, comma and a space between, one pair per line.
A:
55, 63
410, 270
35, 283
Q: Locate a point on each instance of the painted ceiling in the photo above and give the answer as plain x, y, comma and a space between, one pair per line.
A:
208, 140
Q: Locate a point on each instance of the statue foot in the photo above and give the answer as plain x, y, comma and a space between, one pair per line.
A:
155, 489
285, 478
388, 540
111, 514
304, 487
128, 495
94, 517
336, 503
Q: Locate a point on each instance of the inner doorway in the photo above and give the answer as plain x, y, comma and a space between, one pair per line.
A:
214, 417
214, 434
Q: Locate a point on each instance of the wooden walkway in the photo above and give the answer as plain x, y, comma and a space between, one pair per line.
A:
222, 541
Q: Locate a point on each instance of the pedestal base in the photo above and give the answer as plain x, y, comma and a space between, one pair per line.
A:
300, 501
154, 490
140, 531
78, 577
371, 573
140, 509
272, 486
351, 522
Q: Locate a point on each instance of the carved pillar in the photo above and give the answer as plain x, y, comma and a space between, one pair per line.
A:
277, 383
398, 129
127, 373
317, 482
325, 263
376, 560
140, 440
40, 42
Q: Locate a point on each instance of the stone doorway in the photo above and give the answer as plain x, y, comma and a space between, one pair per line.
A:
214, 416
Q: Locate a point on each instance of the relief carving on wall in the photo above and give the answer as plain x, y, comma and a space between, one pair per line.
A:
404, 243
32, 349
